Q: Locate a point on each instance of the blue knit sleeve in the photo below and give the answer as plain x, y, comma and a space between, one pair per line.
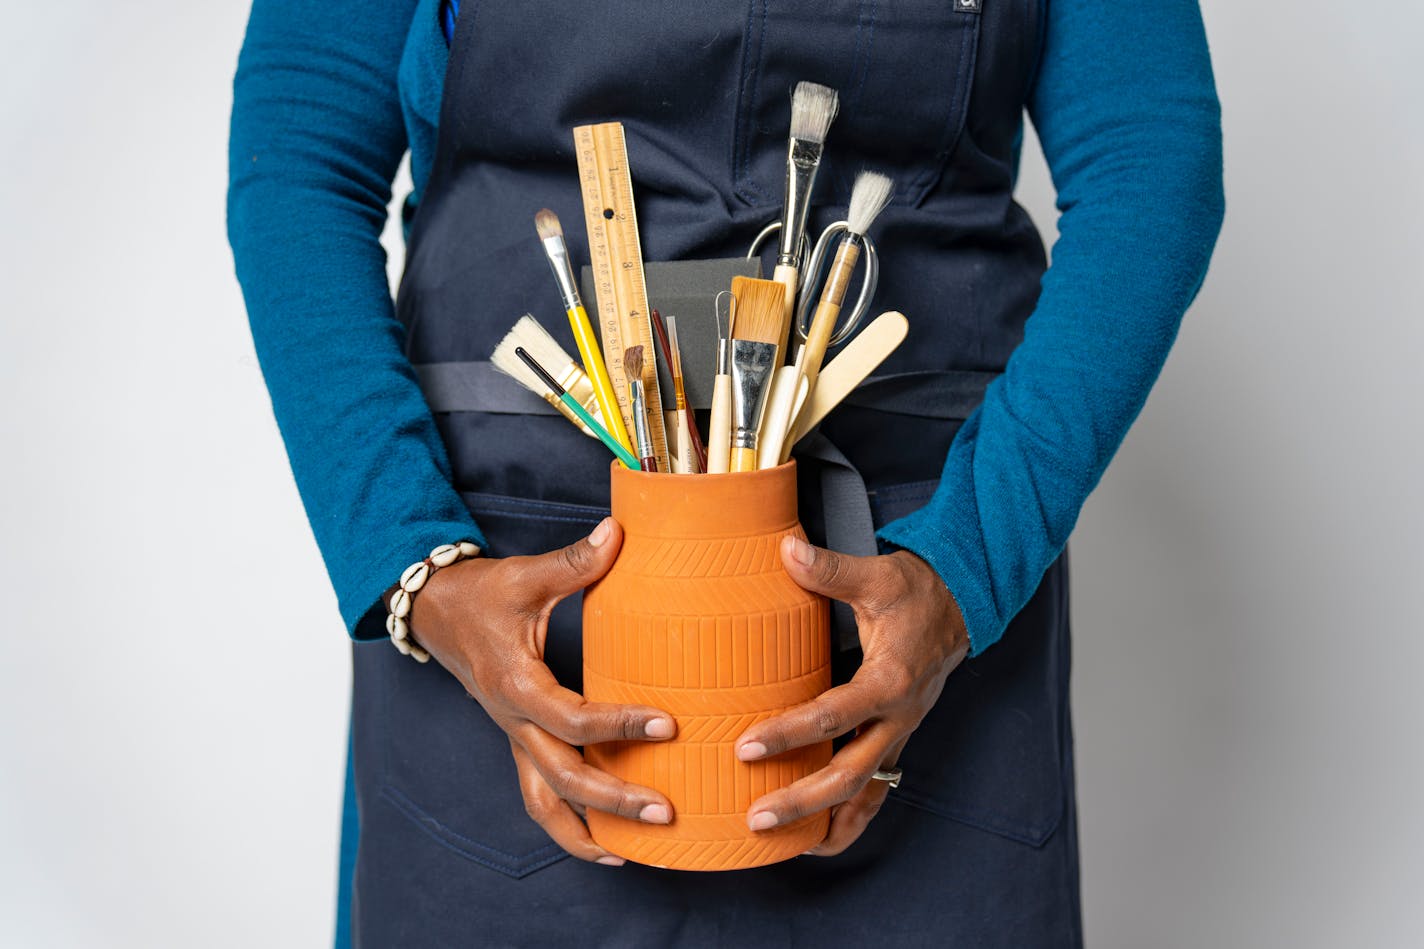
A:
316, 138
1126, 109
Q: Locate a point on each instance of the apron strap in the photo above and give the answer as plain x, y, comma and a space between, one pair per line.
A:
850, 528
476, 387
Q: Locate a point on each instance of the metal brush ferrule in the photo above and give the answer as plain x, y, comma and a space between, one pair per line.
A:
641, 431
558, 253
803, 158
752, 364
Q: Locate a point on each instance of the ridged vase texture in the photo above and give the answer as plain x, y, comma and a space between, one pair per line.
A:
698, 617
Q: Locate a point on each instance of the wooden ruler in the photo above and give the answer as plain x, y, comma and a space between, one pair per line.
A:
617, 259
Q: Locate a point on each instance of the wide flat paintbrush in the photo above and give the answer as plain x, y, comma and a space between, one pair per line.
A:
755, 355
551, 236
530, 335
633, 369
813, 108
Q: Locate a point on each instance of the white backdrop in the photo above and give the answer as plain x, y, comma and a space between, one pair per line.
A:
174, 675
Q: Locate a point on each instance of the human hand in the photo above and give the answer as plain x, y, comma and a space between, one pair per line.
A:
486, 620
913, 636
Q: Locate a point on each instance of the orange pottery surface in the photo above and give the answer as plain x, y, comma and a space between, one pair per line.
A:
699, 618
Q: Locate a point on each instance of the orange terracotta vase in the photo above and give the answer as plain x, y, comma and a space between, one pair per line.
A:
699, 618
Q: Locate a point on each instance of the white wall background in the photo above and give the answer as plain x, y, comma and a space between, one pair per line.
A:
173, 677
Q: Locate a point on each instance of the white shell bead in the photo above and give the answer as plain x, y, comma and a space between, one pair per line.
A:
444, 555
415, 576
400, 604
468, 549
418, 654
397, 627
402, 646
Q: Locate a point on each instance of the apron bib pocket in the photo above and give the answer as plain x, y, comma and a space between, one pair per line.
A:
904, 122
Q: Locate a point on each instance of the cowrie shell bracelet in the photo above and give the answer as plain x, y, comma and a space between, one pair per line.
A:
411, 580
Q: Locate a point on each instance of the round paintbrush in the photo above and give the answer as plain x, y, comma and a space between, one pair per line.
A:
867, 199
633, 369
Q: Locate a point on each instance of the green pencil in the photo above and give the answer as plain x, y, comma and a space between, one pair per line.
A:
625, 456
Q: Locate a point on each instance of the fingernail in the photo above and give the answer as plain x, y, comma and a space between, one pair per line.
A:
600, 533
611, 861
802, 552
751, 751
762, 820
655, 814
658, 728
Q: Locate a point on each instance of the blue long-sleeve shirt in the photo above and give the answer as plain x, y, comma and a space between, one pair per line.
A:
325, 106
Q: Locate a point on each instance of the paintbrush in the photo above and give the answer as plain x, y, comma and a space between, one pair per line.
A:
530, 335
867, 199
813, 108
551, 235
754, 357
692, 457
599, 431
633, 369
719, 424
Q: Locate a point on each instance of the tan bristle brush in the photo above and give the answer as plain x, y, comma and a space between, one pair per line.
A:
642, 434
535, 340
755, 355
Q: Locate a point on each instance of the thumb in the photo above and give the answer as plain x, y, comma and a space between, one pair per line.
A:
569, 569
839, 576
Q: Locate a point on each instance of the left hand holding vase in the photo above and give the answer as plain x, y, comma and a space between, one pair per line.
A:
912, 635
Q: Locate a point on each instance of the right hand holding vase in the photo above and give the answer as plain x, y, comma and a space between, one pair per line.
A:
913, 636
486, 620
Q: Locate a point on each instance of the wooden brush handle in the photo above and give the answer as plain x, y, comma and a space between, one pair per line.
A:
790, 278
719, 429
744, 459
828, 310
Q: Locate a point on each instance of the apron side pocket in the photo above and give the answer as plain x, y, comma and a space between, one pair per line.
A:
442, 763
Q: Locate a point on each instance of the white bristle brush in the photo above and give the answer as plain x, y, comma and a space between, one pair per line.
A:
813, 108
536, 341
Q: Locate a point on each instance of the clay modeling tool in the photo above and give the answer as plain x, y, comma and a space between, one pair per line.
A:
719, 425
788, 390
633, 366
754, 358
527, 333
617, 260
551, 235
867, 199
603, 434
870, 347
688, 455
813, 108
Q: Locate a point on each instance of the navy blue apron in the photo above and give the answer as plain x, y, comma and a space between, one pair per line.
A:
978, 846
